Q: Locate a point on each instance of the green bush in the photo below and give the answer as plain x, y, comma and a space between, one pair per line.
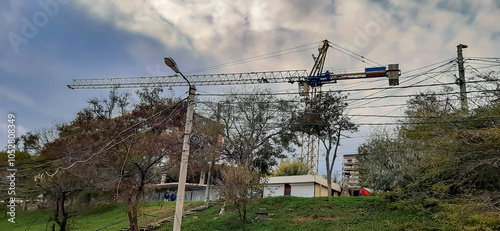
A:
292, 168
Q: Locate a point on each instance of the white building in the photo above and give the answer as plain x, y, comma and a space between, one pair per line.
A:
299, 186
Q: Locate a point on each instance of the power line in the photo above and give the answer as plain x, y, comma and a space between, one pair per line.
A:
485, 119
362, 57
430, 65
256, 58
414, 84
108, 146
355, 99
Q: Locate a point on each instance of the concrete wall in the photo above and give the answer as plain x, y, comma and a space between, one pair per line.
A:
320, 191
274, 190
194, 194
297, 190
302, 190
301, 179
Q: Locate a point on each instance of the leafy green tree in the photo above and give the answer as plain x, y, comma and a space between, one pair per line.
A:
438, 153
325, 118
386, 162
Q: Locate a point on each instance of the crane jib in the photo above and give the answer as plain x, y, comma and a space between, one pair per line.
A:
290, 76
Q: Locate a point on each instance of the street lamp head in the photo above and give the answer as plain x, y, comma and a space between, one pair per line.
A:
463, 46
171, 63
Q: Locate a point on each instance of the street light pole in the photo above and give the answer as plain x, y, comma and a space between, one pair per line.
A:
179, 205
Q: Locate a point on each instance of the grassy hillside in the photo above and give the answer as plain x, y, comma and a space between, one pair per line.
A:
286, 213
94, 218
289, 213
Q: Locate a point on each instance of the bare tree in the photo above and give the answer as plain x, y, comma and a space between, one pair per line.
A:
115, 105
239, 186
124, 151
61, 188
489, 88
256, 127
140, 142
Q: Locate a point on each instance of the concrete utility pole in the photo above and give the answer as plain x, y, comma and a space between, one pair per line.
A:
461, 77
181, 189
209, 182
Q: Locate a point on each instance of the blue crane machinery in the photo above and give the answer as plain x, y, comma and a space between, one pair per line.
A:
307, 85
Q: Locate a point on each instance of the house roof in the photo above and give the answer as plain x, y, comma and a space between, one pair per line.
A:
302, 179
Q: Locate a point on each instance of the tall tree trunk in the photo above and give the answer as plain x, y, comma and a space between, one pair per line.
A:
330, 164
132, 212
328, 174
133, 206
244, 216
328, 146
134, 226
64, 218
334, 156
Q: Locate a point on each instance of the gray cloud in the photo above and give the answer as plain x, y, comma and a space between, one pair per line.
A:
115, 38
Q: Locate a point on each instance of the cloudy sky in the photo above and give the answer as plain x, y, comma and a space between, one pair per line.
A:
45, 44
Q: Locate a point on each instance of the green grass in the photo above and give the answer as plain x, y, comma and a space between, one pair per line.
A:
289, 213
35, 220
93, 218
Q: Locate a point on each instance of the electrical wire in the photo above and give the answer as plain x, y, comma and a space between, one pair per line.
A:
414, 84
109, 144
257, 58
340, 48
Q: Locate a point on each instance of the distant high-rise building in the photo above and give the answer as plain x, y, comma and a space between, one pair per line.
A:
350, 174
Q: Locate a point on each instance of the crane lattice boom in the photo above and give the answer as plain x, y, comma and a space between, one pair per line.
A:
290, 76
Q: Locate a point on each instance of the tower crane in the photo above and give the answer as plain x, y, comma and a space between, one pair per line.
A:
307, 84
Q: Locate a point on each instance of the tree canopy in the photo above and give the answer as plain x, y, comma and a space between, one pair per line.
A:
437, 153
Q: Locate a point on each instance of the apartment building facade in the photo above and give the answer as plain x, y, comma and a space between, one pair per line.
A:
350, 174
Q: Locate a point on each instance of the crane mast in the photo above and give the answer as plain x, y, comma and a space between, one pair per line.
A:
308, 88
308, 84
